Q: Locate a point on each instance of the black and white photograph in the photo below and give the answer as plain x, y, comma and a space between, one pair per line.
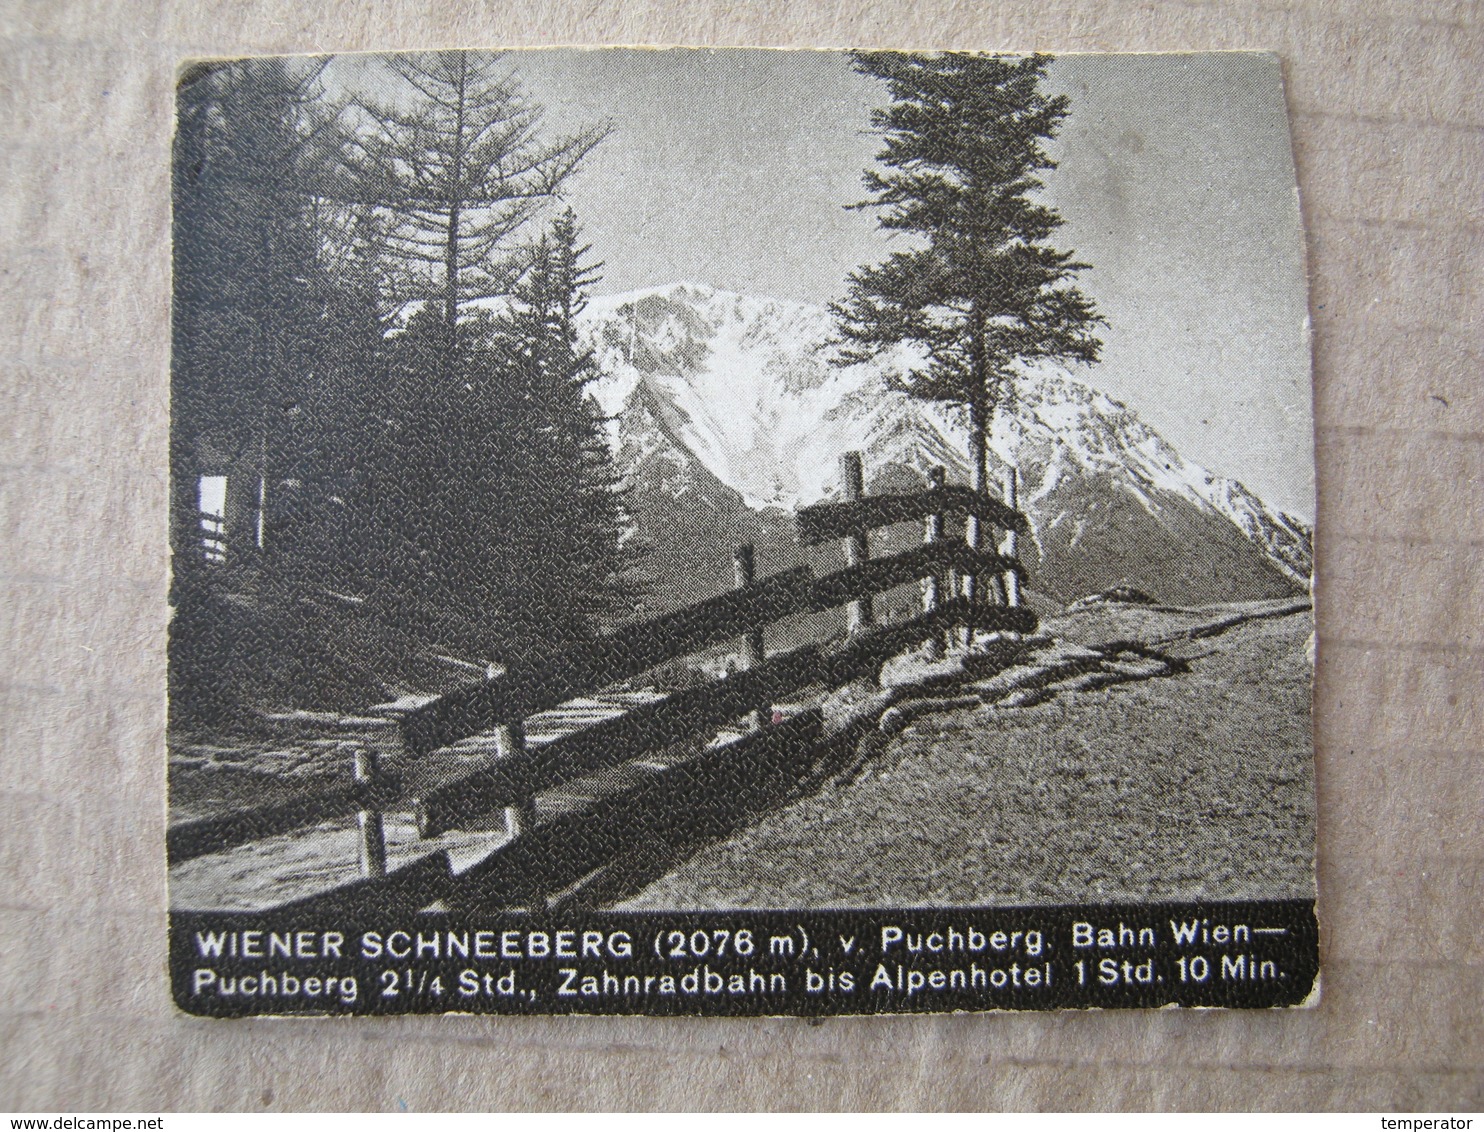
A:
739, 531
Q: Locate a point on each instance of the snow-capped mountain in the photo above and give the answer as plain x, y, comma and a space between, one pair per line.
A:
727, 414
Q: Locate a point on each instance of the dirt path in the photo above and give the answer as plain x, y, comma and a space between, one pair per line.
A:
1143, 754
210, 779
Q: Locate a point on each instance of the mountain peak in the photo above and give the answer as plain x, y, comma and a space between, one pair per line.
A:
745, 387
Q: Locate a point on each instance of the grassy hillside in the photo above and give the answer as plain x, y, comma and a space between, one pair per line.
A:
1198, 784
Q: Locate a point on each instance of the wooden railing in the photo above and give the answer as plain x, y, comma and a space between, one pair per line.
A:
211, 543
743, 699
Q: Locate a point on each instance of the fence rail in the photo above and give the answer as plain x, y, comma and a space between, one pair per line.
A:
596, 664
877, 575
825, 521
519, 771
211, 835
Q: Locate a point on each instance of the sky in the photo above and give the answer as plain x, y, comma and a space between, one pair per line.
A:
1175, 176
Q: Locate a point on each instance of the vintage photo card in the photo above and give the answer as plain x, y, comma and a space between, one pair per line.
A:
739, 532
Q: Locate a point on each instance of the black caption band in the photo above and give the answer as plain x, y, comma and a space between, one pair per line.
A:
1246, 955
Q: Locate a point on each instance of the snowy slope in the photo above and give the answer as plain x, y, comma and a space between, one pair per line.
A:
731, 400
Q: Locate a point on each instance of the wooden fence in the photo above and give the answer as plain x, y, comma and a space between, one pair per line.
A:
946, 568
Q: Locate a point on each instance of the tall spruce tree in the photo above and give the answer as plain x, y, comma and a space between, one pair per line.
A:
245, 264
577, 521
497, 491
272, 347
276, 327
475, 443
984, 292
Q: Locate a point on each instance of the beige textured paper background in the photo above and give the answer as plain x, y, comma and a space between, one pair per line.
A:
1388, 118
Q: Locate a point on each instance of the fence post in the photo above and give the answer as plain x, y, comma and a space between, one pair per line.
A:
857, 549
510, 740
373, 831
973, 538
1012, 540
753, 645
932, 534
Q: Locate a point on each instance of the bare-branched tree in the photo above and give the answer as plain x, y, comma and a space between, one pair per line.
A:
451, 166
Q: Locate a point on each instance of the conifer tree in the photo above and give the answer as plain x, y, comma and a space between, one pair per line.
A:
504, 513
456, 489
435, 182
272, 350
577, 520
275, 328
245, 269
983, 292
441, 492
454, 164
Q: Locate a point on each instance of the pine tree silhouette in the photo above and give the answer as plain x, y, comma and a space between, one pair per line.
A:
983, 292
